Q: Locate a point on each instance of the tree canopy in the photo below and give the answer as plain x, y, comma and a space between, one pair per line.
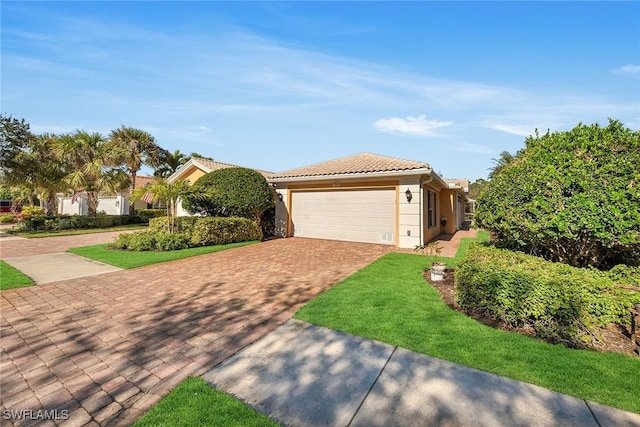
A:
230, 192
570, 196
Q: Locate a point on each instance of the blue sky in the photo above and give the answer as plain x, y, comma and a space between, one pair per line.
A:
279, 85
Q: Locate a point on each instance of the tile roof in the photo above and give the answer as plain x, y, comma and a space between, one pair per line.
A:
213, 165
464, 183
141, 181
356, 163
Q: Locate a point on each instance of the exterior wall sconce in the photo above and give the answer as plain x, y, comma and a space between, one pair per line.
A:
280, 198
409, 195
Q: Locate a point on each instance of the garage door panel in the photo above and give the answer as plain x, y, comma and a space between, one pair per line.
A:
353, 215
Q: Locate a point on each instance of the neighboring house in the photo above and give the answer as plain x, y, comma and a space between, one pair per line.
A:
117, 204
362, 198
368, 198
196, 167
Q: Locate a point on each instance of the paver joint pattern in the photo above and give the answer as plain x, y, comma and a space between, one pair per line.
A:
106, 348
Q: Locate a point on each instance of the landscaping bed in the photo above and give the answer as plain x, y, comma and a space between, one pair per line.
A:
614, 338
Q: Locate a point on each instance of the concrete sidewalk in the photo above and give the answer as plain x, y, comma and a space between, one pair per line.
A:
306, 375
50, 268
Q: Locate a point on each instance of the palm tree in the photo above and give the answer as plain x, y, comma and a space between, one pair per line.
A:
169, 192
93, 163
140, 148
170, 163
506, 158
37, 169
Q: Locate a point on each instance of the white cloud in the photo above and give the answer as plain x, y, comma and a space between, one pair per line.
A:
512, 128
628, 71
416, 126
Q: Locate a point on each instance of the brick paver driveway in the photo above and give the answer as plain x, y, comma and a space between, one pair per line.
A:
106, 348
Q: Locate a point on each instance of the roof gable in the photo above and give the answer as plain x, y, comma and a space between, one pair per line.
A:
354, 164
207, 165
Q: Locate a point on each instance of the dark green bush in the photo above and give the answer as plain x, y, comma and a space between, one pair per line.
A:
230, 192
182, 224
219, 231
172, 242
64, 222
147, 214
140, 241
152, 241
561, 303
572, 197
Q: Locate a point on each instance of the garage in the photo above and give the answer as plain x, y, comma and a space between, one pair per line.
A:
357, 215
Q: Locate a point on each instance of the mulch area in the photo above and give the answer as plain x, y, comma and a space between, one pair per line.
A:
614, 338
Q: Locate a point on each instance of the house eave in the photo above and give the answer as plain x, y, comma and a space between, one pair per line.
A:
350, 176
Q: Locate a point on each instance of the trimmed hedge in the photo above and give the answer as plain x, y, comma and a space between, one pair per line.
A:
147, 214
66, 222
563, 304
182, 224
191, 231
220, 231
152, 241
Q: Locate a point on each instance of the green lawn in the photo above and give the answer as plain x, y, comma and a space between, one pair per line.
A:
194, 403
74, 232
11, 278
132, 259
389, 301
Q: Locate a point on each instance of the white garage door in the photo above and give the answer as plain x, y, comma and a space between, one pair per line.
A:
352, 215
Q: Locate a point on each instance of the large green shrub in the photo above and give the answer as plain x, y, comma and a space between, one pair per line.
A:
219, 231
230, 192
570, 196
147, 214
152, 241
64, 222
182, 224
561, 303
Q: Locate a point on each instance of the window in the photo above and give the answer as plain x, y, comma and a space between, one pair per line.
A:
431, 208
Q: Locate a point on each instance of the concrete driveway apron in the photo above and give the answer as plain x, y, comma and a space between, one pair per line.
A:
106, 348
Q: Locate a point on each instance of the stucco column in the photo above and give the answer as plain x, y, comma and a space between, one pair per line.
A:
409, 214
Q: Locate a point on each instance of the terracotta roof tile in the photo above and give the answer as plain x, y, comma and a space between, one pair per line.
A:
357, 163
215, 165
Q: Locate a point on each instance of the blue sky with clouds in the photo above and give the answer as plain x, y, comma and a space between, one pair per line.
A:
279, 85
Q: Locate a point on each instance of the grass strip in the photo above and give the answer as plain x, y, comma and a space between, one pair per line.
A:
194, 403
390, 301
74, 232
12, 278
132, 259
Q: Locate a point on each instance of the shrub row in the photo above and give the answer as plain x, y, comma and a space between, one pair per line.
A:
190, 232
147, 214
66, 222
152, 241
561, 303
8, 218
182, 224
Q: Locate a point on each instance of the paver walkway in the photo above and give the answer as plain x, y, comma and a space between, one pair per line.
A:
106, 348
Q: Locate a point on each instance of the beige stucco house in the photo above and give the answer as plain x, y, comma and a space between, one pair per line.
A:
368, 198
363, 198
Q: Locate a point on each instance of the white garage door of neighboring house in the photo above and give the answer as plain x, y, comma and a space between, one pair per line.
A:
353, 215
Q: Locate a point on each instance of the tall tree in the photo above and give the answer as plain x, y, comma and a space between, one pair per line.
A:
169, 163
39, 169
139, 149
94, 165
505, 159
15, 136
